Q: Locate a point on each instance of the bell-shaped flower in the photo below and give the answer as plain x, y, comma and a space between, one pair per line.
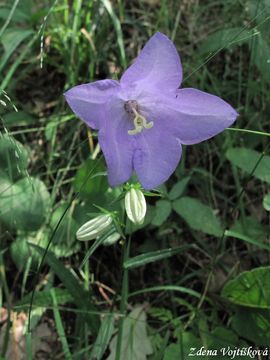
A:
144, 118
135, 206
94, 228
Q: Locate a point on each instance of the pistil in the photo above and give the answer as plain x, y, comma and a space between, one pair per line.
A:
139, 120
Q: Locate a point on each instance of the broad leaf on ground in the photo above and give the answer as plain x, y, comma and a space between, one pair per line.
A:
251, 162
135, 342
24, 204
250, 288
198, 215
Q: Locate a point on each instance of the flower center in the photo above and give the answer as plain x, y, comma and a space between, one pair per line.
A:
139, 121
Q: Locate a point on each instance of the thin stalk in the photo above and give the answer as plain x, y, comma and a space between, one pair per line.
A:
124, 297
16, 2
75, 27
249, 131
60, 327
4, 285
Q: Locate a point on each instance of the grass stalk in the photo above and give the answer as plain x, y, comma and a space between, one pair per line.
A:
124, 297
60, 327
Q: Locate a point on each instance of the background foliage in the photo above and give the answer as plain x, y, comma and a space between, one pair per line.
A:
199, 267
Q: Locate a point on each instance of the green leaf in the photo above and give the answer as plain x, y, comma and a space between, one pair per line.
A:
250, 288
10, 40
251, 227
250, 231
259, 11
66, 232
21, 252
17, 16
44, 299
18, 118
90, 179
152, 256
247, 159
262, 57
253, 325
198, 216
178, 189
60, 327
161, 314
221, 338
182, 351
81, 297
117, 26
266, 202
163, 210
172, 352
135, 342
24, 204
13, 158
246, 238
96, 244
103, 338
215, 344
225, 38
161, 288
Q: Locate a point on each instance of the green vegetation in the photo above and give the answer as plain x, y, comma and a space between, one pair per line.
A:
196, 273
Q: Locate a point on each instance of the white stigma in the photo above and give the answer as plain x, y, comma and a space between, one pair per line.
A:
139, 121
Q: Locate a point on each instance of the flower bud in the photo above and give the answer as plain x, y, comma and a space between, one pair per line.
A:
111, 239
135, 205
94, 228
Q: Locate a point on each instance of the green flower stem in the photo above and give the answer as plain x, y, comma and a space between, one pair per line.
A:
249, 131
124, 297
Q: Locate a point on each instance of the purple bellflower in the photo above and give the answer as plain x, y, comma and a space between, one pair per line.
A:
144, 118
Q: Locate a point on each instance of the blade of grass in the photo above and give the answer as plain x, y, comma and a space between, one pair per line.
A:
81, 297
175, 288
28, 339
17, 62
16, 2
3, 282
96, 244
152, 256
103, 338
124, 299
60, 327
117, 25
234, 234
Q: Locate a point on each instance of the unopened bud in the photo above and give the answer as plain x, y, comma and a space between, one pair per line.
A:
111, 239
135, 205
94, 228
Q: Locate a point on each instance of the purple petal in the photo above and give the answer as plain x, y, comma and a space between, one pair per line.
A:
193, 116
157, 156
88, 100
116, 144
157, 66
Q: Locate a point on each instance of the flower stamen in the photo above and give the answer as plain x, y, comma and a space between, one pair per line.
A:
139, 122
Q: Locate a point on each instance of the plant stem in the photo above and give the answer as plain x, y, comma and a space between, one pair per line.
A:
124, 297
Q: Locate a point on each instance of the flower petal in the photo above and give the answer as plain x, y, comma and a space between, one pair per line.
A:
157, 66
193, 116
116, 144
88, 100
156, 157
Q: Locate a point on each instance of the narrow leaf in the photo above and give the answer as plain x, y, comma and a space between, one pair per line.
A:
152, 256
81, 297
